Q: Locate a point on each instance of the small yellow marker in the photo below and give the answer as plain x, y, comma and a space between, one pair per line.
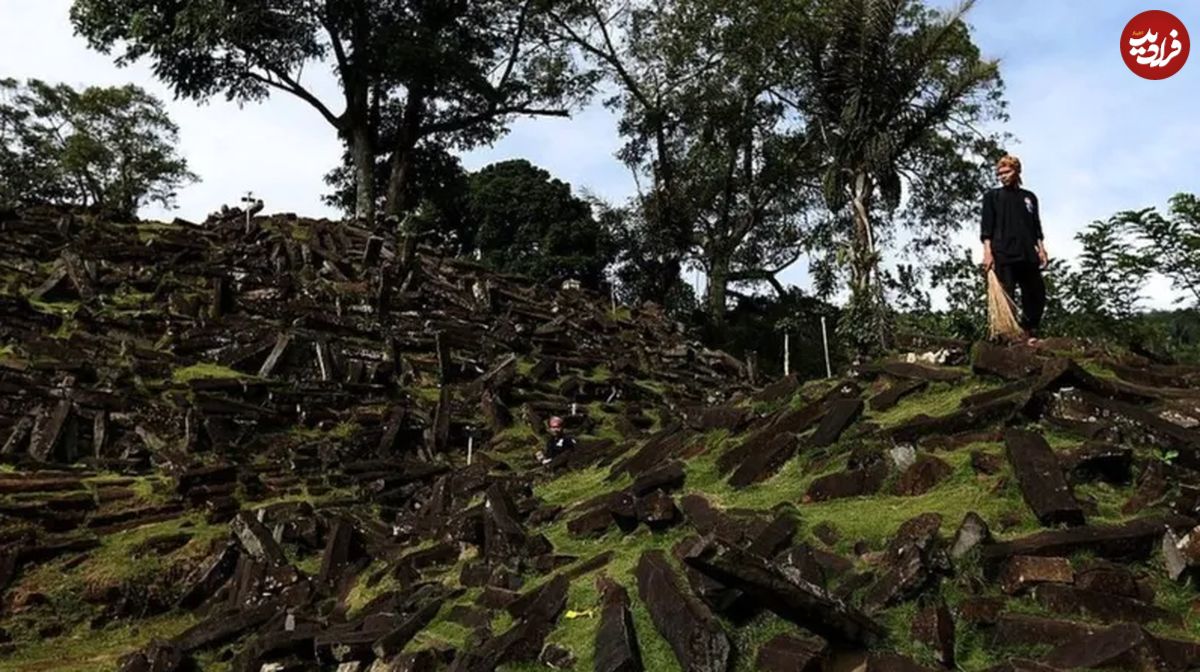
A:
580, 614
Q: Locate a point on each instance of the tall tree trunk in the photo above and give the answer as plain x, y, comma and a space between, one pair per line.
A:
363, 154
718, 283
400, 168
863, 258
407, 136
870, 314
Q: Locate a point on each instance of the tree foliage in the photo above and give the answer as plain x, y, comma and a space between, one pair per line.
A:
527, 222
108, 148
714, 146
893, 93
409, 71
1171, 244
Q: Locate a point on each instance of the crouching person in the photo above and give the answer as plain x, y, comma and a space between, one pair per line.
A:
557, 443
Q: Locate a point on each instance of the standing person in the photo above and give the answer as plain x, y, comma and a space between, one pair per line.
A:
1012, 243
558, 442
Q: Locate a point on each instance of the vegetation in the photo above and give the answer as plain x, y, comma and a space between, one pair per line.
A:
527, 222
413, 75
112, 149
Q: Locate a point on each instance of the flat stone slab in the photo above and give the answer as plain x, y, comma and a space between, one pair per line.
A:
694, 634
765, 462
1105, 607
841, 414
1123, 647
1132, 540
1022, 572
783, 591
786, 653
1041, 478
895, 392
617, 647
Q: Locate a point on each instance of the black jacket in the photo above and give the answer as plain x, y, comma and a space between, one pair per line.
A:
1012, 221
557, 445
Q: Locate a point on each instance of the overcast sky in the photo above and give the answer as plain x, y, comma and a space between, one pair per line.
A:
1094, 138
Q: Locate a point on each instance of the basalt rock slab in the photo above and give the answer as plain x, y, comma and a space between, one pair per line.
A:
696, 637
395, 640
657, 510
1124, 647
666, 477
1099, 461
209, 577
972, 533
224, 626
895, 392
764, 462
1019, 630
962, 420
1022, 572
841, 414
1112, 578
1181, 553
1105, 607
1012, 362
922, 476
913, 558
864, 475
782, 388
1132, 540
781, 590
256, 540
1040, 476
933, 626
792, 421
787, 653
616, 645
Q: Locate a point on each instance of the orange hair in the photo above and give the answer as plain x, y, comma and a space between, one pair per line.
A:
1012, 162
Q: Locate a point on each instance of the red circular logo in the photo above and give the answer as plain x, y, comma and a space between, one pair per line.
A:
1155, 44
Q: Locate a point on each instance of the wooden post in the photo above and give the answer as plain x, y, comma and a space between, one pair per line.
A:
825, 340
787, 354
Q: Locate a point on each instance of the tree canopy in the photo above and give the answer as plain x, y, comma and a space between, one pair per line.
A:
527, 222
108, 148
409, 71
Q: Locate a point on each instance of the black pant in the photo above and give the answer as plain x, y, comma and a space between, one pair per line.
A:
1028, 276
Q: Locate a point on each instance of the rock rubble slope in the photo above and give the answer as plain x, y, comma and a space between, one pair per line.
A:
283, 444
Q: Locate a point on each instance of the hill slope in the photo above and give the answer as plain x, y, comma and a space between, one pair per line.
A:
245, 443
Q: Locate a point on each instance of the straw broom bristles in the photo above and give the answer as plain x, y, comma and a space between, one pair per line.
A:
1002, 311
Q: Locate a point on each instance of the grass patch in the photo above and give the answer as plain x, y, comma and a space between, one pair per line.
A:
578, 486
599, 374
936, 400
205, 370
87, 650
524, 366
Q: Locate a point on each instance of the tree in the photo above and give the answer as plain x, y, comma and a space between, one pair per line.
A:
718, 149
528, 222
892, 93
108, 148
1101, 297
435, 191
455, 71
1172, 243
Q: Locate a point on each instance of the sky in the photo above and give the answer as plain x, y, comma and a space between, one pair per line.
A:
1093, 137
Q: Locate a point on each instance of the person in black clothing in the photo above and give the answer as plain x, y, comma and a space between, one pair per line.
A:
1013, 242
558, 442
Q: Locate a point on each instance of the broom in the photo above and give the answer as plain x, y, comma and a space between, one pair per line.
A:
1002, 311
